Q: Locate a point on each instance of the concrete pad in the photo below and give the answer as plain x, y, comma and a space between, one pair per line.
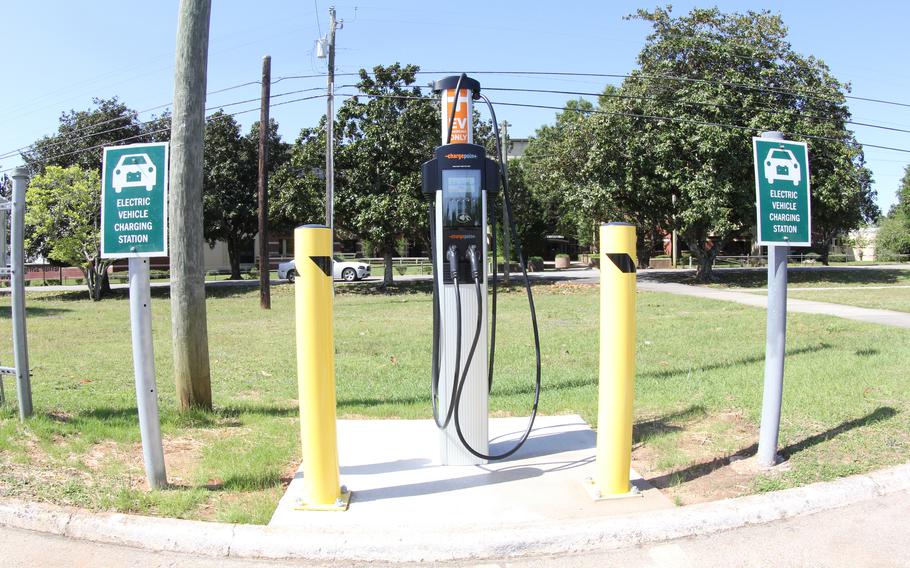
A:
392, 468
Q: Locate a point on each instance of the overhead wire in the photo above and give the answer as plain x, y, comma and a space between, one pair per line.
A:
646, 117
802, 114
10, 153
211, 117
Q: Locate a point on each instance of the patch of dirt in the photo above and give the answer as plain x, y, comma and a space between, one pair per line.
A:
566, 288
707, 474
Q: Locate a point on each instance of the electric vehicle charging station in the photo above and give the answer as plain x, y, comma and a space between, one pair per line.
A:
459, 184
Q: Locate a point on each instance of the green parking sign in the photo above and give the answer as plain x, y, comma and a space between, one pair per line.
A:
782, 192
134, 201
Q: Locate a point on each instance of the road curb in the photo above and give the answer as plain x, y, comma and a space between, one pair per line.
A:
413, 544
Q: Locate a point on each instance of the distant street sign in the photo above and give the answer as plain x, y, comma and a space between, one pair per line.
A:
134, 201
782, 192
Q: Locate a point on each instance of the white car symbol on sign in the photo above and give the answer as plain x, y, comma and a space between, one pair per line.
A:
782, 159
134, 170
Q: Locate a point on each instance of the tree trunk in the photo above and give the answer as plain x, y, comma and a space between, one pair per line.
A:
95, 273
234, 259
387, 277
644, 246
705, 257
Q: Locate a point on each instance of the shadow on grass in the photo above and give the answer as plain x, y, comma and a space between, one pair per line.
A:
658, 427
667, 373
227, 416
702, 469
528, 388
6, 312
758, 278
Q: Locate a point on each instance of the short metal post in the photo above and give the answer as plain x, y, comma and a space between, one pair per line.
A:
617, 359
144, 369
316, 369
17, 291
775, 349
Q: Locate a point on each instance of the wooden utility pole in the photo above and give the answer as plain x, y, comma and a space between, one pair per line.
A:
506, 221
265, 299
330, 132
188, 318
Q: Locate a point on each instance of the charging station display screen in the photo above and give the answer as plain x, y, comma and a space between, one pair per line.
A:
461, 198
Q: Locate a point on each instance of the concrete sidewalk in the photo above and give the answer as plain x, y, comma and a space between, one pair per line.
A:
883, 317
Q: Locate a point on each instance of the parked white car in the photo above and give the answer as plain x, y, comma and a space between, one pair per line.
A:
134, 170
346, 270
781, 164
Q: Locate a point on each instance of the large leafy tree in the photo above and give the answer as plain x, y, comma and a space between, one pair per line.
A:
718, 79
385, 136
894, 231
81, 135
63, 219
297, 190
230, 174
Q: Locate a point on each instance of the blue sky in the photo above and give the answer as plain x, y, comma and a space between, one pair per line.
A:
62, 53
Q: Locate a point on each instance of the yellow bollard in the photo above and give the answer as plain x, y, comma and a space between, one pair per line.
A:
316, 370
617, 360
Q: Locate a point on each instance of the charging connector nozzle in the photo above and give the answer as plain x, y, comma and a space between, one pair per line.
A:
452, 257
471, 254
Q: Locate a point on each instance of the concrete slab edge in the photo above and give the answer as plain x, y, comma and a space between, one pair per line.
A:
410, 544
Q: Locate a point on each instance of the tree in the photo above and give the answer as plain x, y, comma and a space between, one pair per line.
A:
81, 135
297, 190
384, 137
716, 79
587, 169
229, 186
63, 216
893, 235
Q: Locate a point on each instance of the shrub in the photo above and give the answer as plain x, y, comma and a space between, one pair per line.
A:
535, 264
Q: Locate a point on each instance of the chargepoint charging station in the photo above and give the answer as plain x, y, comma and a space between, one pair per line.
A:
460, 185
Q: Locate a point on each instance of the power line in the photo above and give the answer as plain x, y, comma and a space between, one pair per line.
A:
678, 78
643, 76
11, 153
690, 103
649, 117
159, 131
145, 123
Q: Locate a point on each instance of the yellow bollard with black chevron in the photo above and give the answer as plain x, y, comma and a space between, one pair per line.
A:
316, 370
617, 361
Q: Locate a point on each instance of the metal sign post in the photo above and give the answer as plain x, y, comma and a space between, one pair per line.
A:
783, 205
17, 284
134, 225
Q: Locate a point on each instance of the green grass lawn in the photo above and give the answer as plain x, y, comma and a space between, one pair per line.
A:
698, 393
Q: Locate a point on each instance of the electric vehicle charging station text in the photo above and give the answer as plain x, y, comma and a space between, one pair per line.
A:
459, 184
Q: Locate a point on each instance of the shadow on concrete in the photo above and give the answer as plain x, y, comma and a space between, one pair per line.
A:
701, 469
385, 467
445, 485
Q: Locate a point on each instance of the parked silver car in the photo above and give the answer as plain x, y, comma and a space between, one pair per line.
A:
346, 270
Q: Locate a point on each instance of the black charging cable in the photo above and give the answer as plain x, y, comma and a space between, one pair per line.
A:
507, 206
